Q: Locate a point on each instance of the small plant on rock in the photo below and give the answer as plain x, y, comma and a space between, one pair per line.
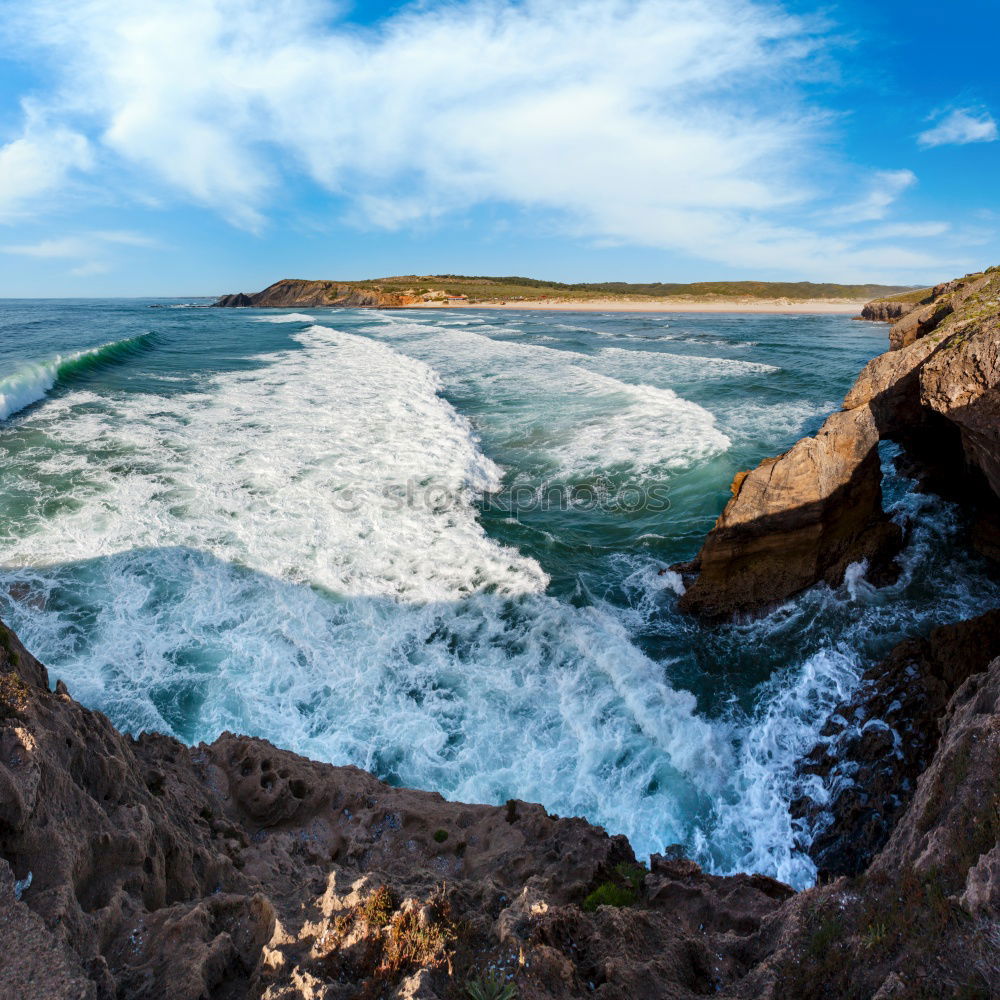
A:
490, 986
621, 890
13, 695
378, 908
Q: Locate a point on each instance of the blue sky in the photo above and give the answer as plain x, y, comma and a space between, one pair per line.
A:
183, 147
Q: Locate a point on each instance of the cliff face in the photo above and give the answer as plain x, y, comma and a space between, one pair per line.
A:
147, 869
804, 516
294, 293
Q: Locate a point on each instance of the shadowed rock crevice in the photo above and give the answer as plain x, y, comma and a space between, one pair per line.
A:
860, 777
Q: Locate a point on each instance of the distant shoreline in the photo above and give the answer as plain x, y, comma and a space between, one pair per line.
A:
734, 306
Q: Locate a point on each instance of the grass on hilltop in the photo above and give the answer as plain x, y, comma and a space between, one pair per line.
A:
491, 288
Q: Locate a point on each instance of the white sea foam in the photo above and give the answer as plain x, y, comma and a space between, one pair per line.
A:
207, 568
285, 318
228, 587
300, 470
564, 407
747, 420
683, 365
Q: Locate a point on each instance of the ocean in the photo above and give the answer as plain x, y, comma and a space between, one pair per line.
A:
436, 544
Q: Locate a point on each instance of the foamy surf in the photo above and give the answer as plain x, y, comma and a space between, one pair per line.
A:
592, 422
285, 318
236, 534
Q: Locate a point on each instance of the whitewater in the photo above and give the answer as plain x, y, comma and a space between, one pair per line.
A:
355, 534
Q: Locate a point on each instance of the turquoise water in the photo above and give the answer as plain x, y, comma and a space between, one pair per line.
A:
430, 544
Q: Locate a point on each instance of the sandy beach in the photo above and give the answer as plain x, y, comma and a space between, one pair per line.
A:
832, 306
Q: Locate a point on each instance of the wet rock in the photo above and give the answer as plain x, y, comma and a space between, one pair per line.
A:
876, 745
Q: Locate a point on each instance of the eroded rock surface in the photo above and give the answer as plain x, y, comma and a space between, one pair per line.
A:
885, 310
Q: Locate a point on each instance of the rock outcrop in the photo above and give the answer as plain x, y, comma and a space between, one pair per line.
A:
290, 293
806, 515
794, 520
884, 310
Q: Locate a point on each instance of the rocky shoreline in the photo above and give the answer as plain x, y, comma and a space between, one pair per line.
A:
143, 868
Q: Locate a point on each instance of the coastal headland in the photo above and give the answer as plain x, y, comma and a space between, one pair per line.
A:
456, 292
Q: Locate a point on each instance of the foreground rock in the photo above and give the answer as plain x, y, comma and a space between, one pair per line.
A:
290, 293
147, 869
806, 515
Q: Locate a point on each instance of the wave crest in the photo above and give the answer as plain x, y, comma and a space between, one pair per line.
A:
35, 379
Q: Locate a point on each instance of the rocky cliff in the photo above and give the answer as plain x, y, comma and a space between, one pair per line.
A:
295, 293
142, 868
806, 515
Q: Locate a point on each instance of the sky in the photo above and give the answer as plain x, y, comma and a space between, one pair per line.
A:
195, 147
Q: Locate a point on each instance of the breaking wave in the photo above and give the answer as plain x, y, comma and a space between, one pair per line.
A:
35, 379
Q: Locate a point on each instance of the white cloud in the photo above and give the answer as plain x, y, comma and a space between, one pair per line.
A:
959, 127
913, 230
38, 162
886, 187
668, 123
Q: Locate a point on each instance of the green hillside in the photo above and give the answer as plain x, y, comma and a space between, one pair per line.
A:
482, 287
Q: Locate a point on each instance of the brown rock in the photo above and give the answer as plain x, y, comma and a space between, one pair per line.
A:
296, 293
804, 516
801, 517
884, 310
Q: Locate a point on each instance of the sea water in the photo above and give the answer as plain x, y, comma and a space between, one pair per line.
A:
434, 544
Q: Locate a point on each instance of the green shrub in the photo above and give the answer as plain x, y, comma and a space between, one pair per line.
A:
13, 695
378, 907
622, 890
490, 986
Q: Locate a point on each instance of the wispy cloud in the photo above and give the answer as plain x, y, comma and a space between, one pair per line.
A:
886, 187
667, 123
91, 250
959, 127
